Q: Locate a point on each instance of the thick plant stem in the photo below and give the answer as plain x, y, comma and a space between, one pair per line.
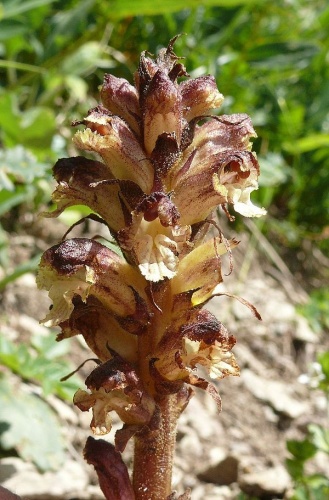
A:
154, 454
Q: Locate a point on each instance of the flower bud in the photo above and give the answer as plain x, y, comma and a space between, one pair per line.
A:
121, 99
114, 141
199, 96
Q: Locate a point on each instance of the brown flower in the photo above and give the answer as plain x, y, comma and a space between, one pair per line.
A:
164, 168
115, 386
85, 268
163, 164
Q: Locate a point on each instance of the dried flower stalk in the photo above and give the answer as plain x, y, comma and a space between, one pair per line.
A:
165, 166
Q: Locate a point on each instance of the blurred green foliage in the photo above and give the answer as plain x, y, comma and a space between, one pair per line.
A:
307, 485
316, 310
41, 362
25, 423
269, 59
38, 364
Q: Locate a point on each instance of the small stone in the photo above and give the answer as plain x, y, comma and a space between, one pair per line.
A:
27, 279
177, 477
213, 492
303, 331
65, 411
11, 466
190, 446
274, 393
274, 481
195, 417
93, 493
28, 482
28, 324
222, 470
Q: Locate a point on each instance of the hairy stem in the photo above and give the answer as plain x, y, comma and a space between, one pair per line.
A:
154, 453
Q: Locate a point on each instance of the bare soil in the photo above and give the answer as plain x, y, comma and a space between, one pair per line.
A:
218, 455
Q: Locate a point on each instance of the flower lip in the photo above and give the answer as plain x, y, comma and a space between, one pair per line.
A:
204, 341
115, 386
206, 328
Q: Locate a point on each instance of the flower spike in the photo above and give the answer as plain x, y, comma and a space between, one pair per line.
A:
164, 161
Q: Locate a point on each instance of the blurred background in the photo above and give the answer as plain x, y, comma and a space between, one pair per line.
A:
271, 61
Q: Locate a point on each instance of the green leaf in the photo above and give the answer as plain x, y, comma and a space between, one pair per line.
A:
37, 127
21, 66
9, 199
48, 347
84, 60
317, 313
21, 164
33, 128
300, 493
33, 428
73, 214
26, 267
318, 482
17, 357
275, 170
13, 8
302, 450
11, 28
309, 143
76, 86
5, 182
281, 54
127, 8
9, 109
315, 487
320, 437
323, 359
292, 121
67, 21
8, 354
295, 468
40, 367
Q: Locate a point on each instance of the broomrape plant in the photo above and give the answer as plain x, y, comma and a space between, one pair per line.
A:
165, 165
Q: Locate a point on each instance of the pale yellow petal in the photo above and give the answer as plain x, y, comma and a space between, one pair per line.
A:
200, 270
